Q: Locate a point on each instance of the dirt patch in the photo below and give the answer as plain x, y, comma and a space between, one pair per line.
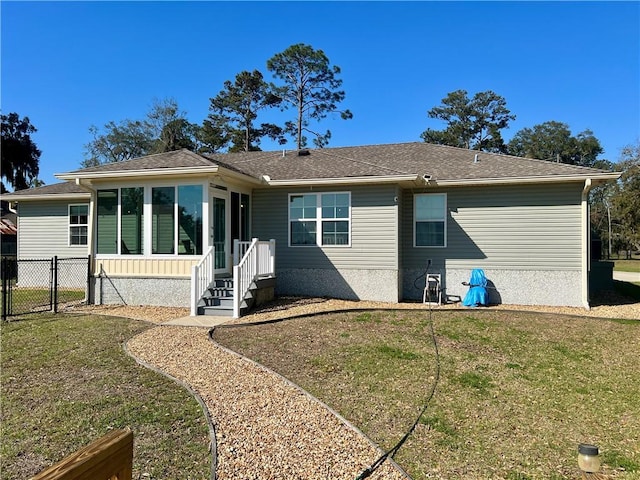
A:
610, 306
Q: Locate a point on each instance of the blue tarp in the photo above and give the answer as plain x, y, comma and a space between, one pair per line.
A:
477, 294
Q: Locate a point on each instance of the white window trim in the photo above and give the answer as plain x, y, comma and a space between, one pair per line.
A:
319, 220
415, 199
70, 225
147, 225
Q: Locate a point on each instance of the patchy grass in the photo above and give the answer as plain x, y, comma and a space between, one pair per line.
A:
33, 300
66, 381
517, 393
632, 265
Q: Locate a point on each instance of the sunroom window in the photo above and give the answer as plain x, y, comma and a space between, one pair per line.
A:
319, 219
174, 226
430, 222
107, 222
132, 221
189, 220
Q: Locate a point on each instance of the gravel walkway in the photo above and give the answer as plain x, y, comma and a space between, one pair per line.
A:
265, 427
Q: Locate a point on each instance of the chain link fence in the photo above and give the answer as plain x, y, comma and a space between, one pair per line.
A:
42, 285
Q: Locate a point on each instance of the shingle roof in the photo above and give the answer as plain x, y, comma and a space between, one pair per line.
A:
441, 162
176, 159
63, 188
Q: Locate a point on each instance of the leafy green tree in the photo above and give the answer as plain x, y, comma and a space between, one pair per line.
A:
169, 127
20, 155
553, 141
473, 123
210, 137
235, 109
311, 86
626, 201
164, 129
600, 198
120, 142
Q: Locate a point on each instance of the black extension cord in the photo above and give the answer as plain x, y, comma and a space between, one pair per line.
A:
390, 453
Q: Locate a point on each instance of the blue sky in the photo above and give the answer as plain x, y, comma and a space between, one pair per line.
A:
71, 65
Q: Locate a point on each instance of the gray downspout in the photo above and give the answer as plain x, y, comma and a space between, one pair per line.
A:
586, 248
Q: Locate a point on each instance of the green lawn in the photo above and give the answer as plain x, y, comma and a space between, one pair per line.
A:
30, 300
66, 381
517, 392
627, 265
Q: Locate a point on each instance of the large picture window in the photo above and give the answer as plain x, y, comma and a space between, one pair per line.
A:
320, 219
430, 220
78, 224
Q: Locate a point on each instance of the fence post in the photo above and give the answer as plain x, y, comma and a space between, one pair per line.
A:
88, 295
55, 284
5, 285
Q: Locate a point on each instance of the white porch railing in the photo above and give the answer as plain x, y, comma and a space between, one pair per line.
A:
202, 275
258, 261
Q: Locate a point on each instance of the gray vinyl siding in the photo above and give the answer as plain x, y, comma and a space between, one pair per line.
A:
522, 227
374, 229
43, 230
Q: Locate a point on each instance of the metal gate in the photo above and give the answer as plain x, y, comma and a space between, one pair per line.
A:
42, 285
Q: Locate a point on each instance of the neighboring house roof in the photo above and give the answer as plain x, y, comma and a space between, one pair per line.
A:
8, 226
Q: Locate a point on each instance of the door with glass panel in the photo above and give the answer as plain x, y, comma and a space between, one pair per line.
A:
219, 234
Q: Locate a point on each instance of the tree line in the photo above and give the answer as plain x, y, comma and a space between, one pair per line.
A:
308, 85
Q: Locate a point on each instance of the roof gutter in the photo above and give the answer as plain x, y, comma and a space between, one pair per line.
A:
178, 171
343, 180
600, 178
49, 196
137, 173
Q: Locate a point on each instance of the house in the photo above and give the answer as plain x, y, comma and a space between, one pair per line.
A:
350, 222
8, 234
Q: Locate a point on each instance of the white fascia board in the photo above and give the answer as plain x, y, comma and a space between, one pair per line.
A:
50, 196
520, 180
160, 172
136, 173
344, 180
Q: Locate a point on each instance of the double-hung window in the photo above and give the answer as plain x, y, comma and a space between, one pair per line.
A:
430, 220
78, 224
322, 219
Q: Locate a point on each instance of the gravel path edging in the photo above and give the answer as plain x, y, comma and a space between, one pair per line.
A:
196, 395
346, 422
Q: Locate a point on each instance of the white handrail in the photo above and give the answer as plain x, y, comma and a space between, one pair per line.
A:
258, 261
202, 274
